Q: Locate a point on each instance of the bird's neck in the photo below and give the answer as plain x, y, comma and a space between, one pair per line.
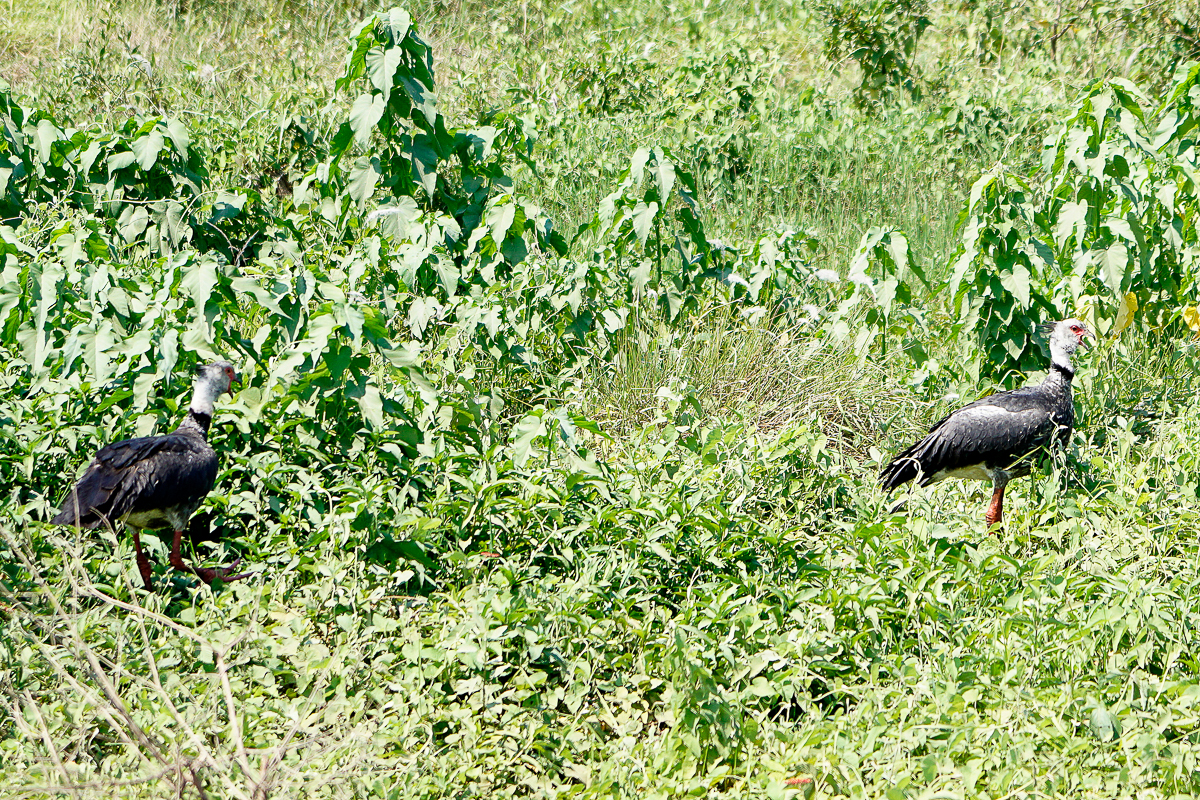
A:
1062, 371
1061, 367
200, 412
195, 422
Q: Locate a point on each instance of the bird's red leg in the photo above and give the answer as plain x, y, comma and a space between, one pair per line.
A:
143, 561
995, 510
206, 574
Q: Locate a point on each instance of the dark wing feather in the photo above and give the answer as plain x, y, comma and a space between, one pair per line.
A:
993, 432
144, 474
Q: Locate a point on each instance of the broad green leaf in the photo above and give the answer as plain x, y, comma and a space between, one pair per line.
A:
640, 276
147, 148
448, 274
363, 180
664, 178
420, 311
977, 189
119, 161
397, 21
199, 278
425, 165
38, 343
1114, 262
1071, 222
168, 352
482, 139
381, 71
1120, 227
179, 136
637, 165
96, 352
132, 222
499, 218
365, 114
48, 135
898, 249
524, 434
1104, 725
885, 294
1017, 282
371, 405
643, 220
423, 100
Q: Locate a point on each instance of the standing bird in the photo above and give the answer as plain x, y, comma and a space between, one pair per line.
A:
998, 436
156, 481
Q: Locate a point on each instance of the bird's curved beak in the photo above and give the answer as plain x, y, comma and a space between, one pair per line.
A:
1083, 338
236, 380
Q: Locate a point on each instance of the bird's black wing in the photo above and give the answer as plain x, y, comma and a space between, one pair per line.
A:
992, 432
143, 474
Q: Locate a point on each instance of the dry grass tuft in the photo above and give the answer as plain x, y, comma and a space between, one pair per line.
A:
772, 378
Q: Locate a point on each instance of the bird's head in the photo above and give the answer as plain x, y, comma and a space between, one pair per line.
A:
219, 377
1067, 336
1073, 334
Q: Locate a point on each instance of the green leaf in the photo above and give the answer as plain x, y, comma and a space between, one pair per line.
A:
132, 222
1016, 281
179, 136
168, 352
147, 148
371, 405
363, 179
643, 220
420, 311
365, 115
1071, 221
119, 161
48, 134
523, 437
499, 217
664, 177
1104, 725
381, 70
423, 100
898, 249
199, 278
637, 165
1114, 263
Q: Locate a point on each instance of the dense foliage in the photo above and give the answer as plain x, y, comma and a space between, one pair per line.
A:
565, 390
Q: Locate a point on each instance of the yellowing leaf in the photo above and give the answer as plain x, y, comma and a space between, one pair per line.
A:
1191, 315
1129, 305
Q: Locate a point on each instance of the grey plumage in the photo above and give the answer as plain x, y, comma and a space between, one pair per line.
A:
998, 437
154, 482
150, 482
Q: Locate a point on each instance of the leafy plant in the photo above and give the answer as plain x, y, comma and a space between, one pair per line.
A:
1106, 230
881, 36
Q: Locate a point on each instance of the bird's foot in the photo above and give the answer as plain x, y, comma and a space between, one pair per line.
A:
206, 574
225, 574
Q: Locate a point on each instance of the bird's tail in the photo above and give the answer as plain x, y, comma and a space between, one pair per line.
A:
903, 468
78, 511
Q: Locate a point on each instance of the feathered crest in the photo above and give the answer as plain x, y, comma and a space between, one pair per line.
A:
1046, 328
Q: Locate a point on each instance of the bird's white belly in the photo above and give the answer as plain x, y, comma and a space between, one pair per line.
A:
976, 472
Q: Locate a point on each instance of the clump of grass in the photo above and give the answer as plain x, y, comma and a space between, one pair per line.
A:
771, 376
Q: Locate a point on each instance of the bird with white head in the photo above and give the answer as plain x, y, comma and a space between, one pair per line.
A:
998, 437
154, 482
